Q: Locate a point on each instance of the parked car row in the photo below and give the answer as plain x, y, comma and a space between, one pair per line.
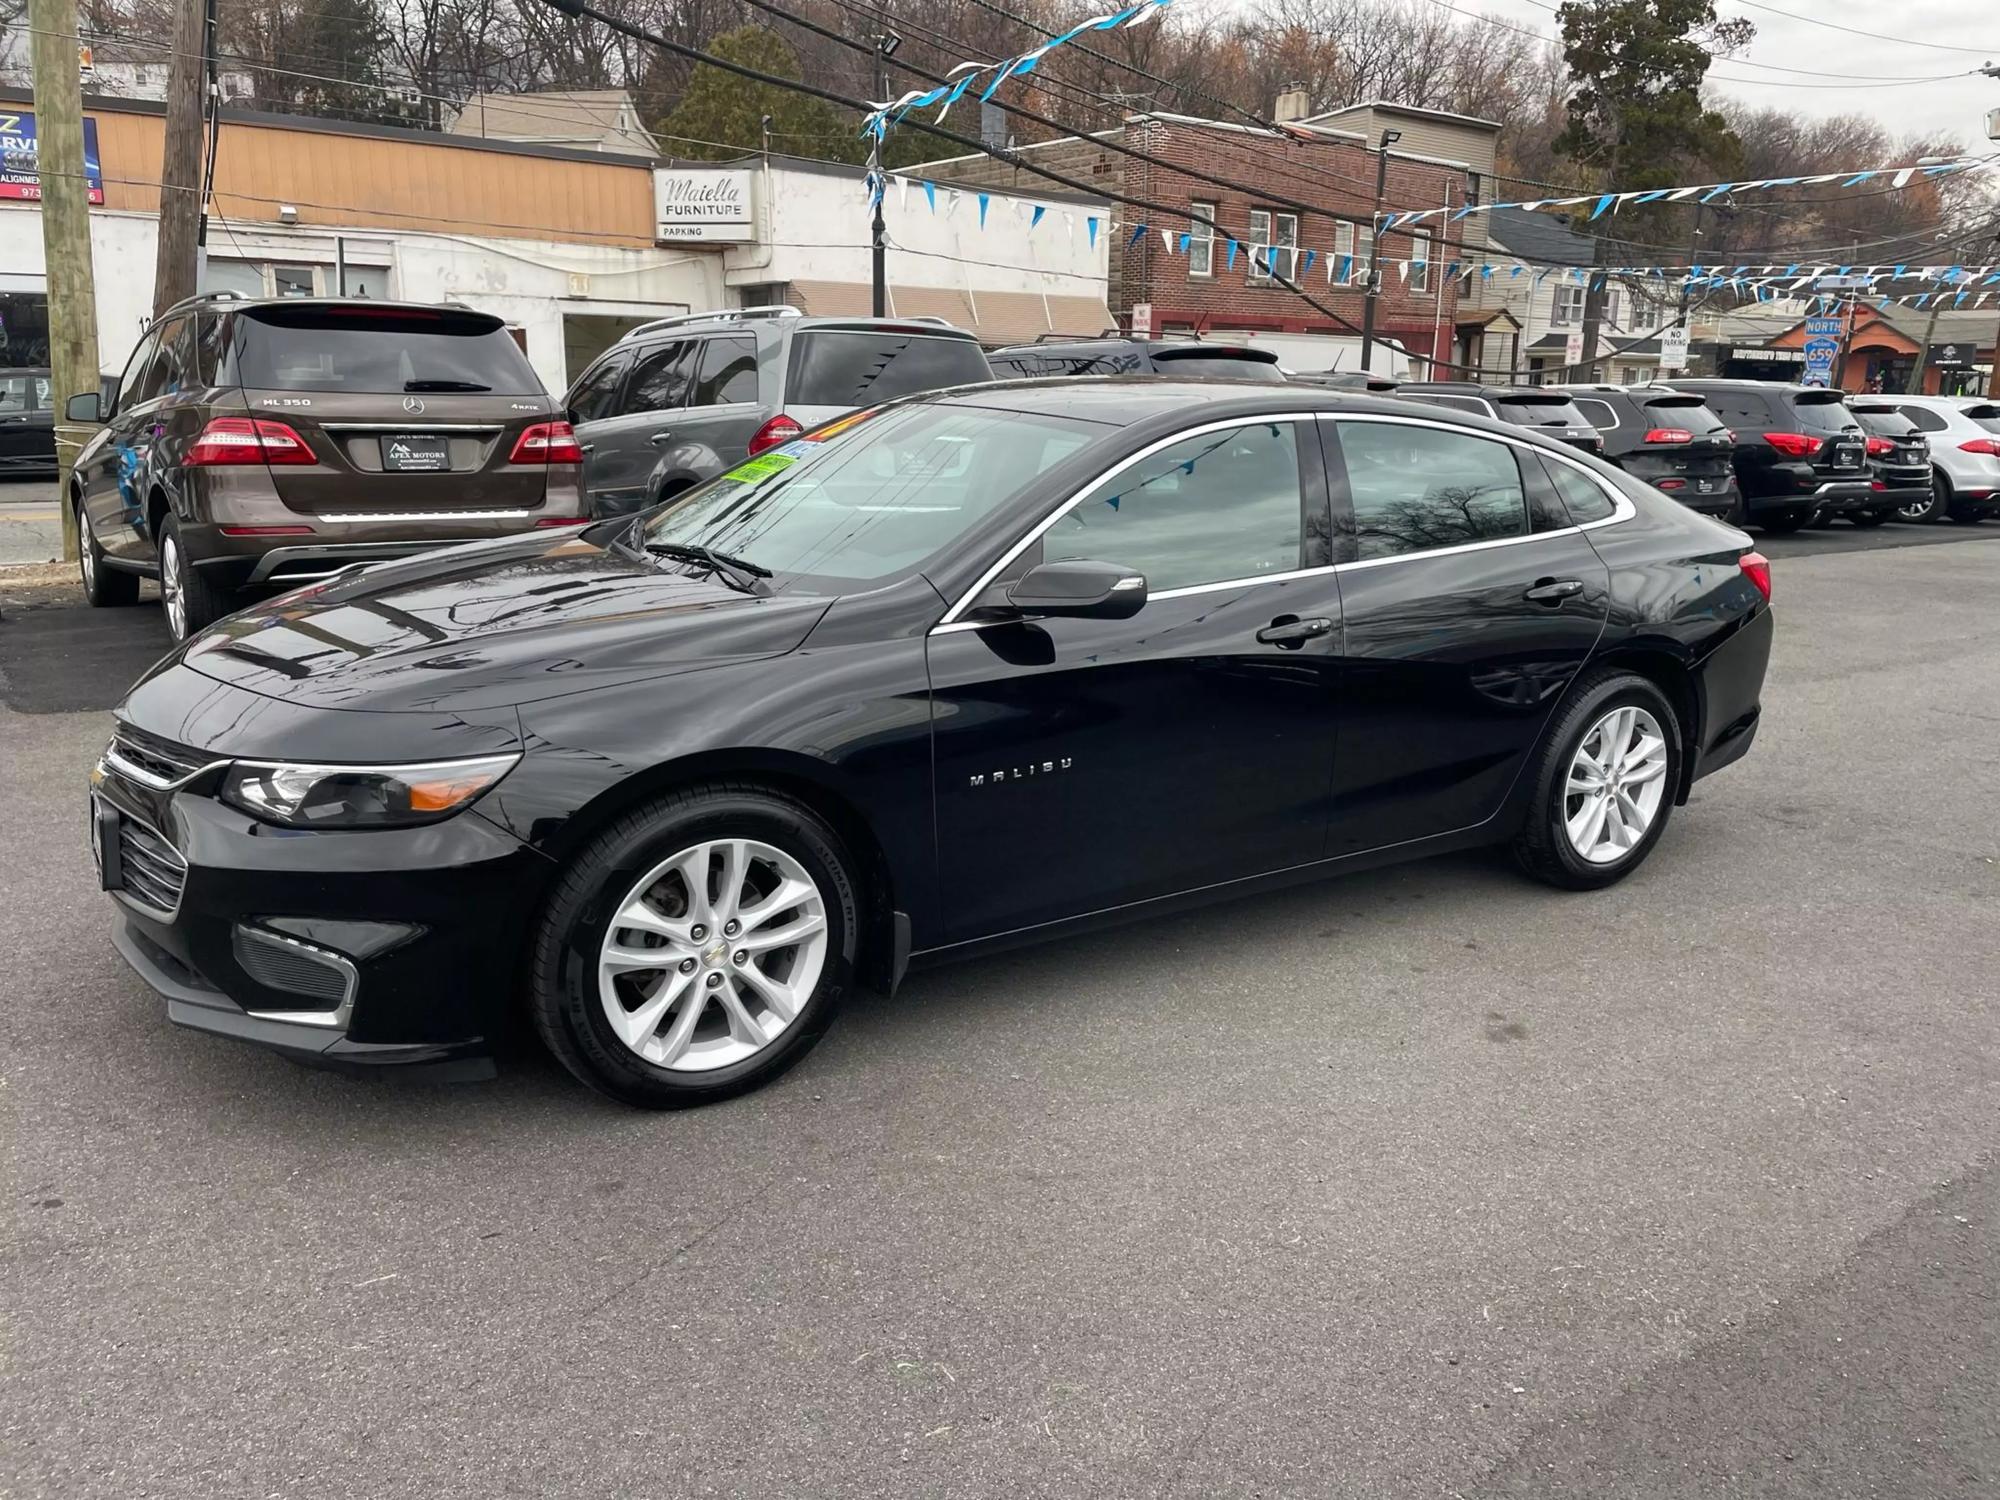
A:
249, 445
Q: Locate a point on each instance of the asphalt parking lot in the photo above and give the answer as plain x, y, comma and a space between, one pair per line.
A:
1426, 1182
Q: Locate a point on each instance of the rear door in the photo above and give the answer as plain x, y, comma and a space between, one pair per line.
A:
627, 446
722, 412
1467, 613
408, 411
27, 420
834, 369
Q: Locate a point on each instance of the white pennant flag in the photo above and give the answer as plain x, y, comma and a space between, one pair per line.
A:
1166, 239
902, 192
1403, 270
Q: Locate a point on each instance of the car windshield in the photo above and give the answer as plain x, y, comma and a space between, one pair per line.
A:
867, 499
377, 351
857, 367
1883, 421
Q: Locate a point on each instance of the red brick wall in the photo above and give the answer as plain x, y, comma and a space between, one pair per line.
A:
1325, 174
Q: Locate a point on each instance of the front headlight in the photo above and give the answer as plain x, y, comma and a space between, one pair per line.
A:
301, 796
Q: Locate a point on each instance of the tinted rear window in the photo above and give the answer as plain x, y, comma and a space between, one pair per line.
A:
1986, 414
1690, 412
1213, 364
858, 368
1823, 411
1883, 421
1541, 411
379, 351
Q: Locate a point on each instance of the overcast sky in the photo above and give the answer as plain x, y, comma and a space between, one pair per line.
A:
1970, 27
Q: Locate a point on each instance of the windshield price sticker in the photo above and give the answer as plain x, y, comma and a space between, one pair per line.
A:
763, 466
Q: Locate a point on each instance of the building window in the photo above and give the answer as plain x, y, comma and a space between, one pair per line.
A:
1364, 255
1343, 245
1201, 240
1272, 235
1567, 309
1420, 262
1611, 306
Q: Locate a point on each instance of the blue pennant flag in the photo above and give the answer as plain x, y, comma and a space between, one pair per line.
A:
1138, 234
1307, 264
1090, 224
1343, 269
1603, 203
1230, 263
1036, 217
983, 201
930, 195
1451, 271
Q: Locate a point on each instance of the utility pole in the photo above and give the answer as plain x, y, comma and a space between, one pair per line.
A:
1389, 138
212, 95
885, 48
180, 161
1992, 70
1687, 281
65, 228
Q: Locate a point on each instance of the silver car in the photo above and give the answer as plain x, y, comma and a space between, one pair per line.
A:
1964, 435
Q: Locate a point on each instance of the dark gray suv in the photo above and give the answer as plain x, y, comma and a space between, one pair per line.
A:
683, 399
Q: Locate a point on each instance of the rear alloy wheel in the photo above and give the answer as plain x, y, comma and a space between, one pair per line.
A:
1932, 506
697, 949
103, 587
1605, 780
190, 601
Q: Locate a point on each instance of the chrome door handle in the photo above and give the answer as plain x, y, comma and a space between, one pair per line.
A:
661, 439
586, 447
1554, 590
1290, 632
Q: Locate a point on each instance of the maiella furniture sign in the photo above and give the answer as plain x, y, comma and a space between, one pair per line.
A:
698, 203
20, 159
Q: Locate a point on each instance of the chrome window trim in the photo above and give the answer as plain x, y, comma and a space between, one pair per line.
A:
333, 1020
1622, 510
964, 602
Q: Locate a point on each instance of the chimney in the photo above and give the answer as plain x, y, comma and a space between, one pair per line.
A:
1293, 103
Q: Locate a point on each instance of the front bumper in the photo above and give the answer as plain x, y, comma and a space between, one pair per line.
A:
408, 917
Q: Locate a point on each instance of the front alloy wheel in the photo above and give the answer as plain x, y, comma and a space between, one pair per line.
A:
173, 587
712, 955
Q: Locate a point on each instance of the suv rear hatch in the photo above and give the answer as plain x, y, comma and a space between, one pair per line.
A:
1843, 452
1551, 414
838, 367
1898, 453
409, 411
1683, 448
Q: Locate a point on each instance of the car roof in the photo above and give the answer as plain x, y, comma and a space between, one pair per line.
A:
734, 319
1473, 388
1150, 346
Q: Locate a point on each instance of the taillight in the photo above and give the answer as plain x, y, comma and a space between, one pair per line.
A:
1876, 484
780, 429
1793, 444
1669, 435
1757, 568
1989, 446
247, 440
1877, 446
1672, 484
546, 443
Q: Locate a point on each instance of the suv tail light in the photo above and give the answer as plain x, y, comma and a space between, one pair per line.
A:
1669, 435
1793, 444
1989, 446
1877, 446
546, 443
780, 429
247, 440
1757, 568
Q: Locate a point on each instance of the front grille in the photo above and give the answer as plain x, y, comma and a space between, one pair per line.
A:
155, 761
282, 964
152, 869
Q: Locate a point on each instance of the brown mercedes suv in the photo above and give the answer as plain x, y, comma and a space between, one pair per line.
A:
260, 444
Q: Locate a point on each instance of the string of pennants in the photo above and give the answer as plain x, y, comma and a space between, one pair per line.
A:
1602, 203
1958, 283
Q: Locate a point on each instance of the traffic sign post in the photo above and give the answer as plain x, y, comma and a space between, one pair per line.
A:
1673, 349
1820, 354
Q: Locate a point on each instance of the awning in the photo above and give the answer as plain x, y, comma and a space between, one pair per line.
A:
993, 317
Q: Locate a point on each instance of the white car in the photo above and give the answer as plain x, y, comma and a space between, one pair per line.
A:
1965, 456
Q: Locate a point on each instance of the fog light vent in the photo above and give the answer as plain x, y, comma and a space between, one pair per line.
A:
282, 963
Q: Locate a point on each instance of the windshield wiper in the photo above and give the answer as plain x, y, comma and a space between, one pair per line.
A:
740, 572
471, 386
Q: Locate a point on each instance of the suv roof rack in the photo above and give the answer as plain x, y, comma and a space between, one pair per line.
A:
220, 294
719, 315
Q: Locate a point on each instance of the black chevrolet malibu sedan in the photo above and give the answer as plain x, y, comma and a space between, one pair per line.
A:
970, 669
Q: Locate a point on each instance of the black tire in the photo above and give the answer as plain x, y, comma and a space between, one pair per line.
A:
1543, 846
563, 995
1866, 518
201, 602
1784, 522
1933, 509
103, 587
1738, 514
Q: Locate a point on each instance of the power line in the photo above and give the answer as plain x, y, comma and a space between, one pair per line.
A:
1874, 36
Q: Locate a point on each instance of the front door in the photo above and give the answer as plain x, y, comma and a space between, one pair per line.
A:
590, 401
115, 471
1086, 764
1470, 601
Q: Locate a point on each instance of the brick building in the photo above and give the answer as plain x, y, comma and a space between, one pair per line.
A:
1329, 165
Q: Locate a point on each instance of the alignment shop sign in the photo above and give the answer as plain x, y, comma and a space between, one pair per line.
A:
704, 204
20, 159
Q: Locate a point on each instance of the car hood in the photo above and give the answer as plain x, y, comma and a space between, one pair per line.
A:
495, 624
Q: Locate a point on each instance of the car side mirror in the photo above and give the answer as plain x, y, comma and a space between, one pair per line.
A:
1080, 589
85, 407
